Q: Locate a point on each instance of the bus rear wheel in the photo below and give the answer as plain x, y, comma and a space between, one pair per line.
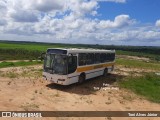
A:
81, 78
105, 73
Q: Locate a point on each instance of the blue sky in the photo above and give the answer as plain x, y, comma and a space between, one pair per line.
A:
145, 11
118, 22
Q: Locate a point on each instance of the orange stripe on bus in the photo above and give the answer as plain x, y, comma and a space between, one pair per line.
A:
106, 65
83, 69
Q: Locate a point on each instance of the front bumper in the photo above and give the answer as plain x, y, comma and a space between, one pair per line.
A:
54, 78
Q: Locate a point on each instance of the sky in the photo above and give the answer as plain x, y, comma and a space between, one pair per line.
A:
106, 22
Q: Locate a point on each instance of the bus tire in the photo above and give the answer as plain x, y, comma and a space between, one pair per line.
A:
105, 73
81, 78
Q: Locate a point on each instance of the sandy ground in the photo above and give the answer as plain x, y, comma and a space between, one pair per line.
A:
23, 89
17, 60
133, 58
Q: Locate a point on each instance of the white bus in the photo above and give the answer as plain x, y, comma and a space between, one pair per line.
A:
68, 66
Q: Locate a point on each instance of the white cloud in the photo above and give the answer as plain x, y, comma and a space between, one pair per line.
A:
2, 4
24, 16
70, 21
120, 21
123, 20
3, 22
3, 9
40, 5
136, 35
80, 8
47, 5
158, 23
116, 1
24, 11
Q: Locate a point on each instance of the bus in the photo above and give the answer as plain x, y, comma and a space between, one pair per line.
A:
68, 66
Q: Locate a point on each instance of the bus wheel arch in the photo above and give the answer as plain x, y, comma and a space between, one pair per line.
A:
105, 73
82, 78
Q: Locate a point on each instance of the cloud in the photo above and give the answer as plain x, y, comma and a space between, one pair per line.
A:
40, 5
2, 4
123, 20
3, 8
47, 5
70, 21
80, 24
80, 8
24, 11
3, 22
116, 1
24, 16
120, 21
135, 35
158, 23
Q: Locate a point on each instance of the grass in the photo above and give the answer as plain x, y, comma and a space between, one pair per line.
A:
19, 54
147, 86
20, 63
35, 46
23, 50
26, 72
139, 54
11, 75
138, 64
32, 47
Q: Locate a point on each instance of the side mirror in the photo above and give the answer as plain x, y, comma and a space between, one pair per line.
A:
42, 56
70, 54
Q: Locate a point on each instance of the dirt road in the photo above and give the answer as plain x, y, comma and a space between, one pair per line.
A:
22, 88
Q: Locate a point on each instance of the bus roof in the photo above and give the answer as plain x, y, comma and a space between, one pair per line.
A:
77, 50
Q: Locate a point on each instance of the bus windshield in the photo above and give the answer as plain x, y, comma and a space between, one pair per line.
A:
55, 64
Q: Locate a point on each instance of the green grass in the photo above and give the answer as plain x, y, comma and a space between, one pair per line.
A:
19, 54
33, 46
138, 64
147, 86
139, 54
20, 63
10, 75
27, 46
22, 50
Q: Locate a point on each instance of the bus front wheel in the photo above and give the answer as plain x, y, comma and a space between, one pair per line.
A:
81, 78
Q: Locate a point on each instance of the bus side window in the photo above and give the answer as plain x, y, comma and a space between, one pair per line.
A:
72, 64
108, 57
82, 58
97, 58
113, 56
103, 57
90, 58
